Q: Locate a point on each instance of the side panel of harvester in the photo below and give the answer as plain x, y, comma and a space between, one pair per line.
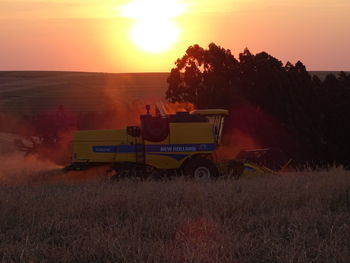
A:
104, 146
184, 141
109, 146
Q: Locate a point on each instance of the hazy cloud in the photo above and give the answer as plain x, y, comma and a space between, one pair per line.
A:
34, 9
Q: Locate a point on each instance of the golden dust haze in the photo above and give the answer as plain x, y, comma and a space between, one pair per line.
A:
148, 36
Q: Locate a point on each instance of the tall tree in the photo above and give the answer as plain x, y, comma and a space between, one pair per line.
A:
204, 77
314, 112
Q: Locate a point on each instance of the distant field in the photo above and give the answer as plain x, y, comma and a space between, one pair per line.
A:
27, 92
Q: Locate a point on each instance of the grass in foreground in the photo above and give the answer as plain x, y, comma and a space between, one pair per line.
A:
291, 218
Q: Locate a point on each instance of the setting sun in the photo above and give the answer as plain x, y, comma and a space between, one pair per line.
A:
154, 30
154, 37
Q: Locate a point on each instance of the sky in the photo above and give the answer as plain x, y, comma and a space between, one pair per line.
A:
149, 35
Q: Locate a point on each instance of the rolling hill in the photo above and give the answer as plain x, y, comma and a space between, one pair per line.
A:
26, 92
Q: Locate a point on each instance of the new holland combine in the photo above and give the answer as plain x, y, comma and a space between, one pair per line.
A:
181, 143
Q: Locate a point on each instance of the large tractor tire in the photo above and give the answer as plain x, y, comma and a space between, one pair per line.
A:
201, 168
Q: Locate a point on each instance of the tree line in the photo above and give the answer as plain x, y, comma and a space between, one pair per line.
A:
290, 109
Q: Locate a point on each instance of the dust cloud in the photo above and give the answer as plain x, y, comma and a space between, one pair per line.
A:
17, 168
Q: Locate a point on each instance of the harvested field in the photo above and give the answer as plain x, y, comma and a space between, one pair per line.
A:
30, 92
290, 218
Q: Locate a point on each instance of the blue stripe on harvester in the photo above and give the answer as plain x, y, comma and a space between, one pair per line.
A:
163, 148
114, 149
126, 149
180, 147
104, 149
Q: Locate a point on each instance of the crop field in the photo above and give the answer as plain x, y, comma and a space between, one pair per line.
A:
289, 218
47, 215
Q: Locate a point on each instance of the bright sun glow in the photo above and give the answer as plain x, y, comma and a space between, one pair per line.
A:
154, 36
154, 30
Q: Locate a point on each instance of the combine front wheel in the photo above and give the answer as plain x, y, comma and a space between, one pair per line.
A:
201, 168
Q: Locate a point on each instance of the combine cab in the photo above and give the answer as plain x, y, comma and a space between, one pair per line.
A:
166, 143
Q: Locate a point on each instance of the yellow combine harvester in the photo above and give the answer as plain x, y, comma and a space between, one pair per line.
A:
167, 143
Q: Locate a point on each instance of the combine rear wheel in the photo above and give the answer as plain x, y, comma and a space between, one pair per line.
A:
201, 168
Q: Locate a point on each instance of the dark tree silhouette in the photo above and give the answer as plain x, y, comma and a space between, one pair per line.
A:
204, 77
314, 112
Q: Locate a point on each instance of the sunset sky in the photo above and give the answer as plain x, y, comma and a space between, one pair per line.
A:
149, 35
